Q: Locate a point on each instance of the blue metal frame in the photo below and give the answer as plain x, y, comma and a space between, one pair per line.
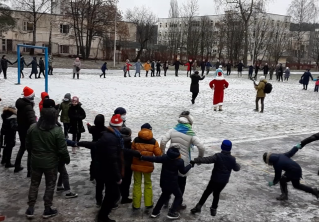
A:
46, 60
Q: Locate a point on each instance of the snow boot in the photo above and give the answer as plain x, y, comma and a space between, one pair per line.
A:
173, 215
220, 108
213, 212
196, 209
282, 197
315, 192
215, 108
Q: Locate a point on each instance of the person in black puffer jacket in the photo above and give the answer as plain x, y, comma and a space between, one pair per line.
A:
8, 133
126, 183
96, 132
25, 117
172, 164
224, 163
76, 115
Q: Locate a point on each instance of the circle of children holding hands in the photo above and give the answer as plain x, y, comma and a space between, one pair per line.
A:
115, 158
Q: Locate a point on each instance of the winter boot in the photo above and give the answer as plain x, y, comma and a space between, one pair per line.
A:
284, 191
73, 75
215, 108
78, 75
282, 197
49, 212
220, 108
173, 215
30, 213
196, 209
213, 212
315, 192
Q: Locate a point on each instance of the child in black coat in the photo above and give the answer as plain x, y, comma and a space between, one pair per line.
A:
224, 164
172, 164
8, 134
126, 181
96, 132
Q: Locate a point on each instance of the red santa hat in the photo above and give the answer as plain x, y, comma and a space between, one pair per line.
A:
28, 93
116, 120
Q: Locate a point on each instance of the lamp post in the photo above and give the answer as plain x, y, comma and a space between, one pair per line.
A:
115, 33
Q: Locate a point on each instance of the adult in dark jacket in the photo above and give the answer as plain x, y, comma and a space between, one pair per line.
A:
103, 69
76, 115
293, 173
8, 131
126, 181
305, 79
4, 65
265, 69
280, 73
208, 66
224, 163
203, 66
96, 131
25, 117
34, 67
22, 63
153, 64
228, 65
46, 143
272, 69
257, 67
172, 164
217, 64
240, 67
165, 67
195, 86
41, 67
176, 64
250, 71
158, 68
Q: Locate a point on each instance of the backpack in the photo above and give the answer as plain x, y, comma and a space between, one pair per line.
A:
268, 88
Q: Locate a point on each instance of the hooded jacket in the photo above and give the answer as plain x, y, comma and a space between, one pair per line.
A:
4, 63
34, 66
194, 84
282, 162
46, 142
76, 64
172, 164
260, 88
76, 115
41, 65
9, 121
305, 78
104, 67
25, 114
99, 127
224, 163
184, 143
64, 107
147, 146
44, 95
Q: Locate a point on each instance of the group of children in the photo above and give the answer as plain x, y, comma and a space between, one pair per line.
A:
148, 66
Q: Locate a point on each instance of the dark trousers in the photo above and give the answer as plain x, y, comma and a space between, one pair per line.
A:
305, 86
77, 75
228, 73
316, 88
63, 177
265, 74
190, 73
4, 73
176, 72
295, 183
10, 141
146, 73
216, 189
41, 71
50, 181
194, 95
76, 137
22, 75
182, 183
99, 187
34, 75
66, 127
126, 182
256, 74
92, 165
50, 70
165, 71
203, 71
152, 72
158, 72
280, 77
271, 74
139, 74
112, 195
166, 193
262, 103
103, 74
286, 78
250, 75
22, 149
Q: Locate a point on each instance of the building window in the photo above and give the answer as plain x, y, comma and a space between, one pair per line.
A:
165, 25
27, 26
3, 45
160, 25
64, 49
64, 28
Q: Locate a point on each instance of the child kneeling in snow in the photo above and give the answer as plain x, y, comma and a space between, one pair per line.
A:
172, 164
224, 164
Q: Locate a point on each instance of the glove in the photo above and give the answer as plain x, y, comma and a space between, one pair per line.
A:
192, 163
299, 146
270, 183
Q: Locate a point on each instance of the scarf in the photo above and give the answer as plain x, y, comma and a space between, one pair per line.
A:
119, 135
185, 128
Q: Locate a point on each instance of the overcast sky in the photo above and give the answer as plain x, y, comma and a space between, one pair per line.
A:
206, 7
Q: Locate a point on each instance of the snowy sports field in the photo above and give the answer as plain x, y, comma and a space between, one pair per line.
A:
290, 115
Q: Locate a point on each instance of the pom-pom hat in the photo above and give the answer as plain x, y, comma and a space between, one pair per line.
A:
116, 120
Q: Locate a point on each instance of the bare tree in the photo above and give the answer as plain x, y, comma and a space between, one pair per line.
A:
88, 20
207, 36
301, 12
174, 35
145, 22
315, 48
174, 9
245, 8
7, 22
34, 9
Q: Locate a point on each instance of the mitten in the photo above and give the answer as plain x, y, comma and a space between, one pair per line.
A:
270, 183
192, 163
298, 146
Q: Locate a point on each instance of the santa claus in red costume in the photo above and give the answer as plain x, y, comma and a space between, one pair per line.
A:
218, 85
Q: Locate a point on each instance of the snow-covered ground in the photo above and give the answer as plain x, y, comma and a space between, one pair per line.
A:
290, 115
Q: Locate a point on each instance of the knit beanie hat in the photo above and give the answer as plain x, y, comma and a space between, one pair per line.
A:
185, 117
116, 120
48, 103
28, 93
120, 110
226, 145
67, 97
75, 99
146, 126
262, 78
